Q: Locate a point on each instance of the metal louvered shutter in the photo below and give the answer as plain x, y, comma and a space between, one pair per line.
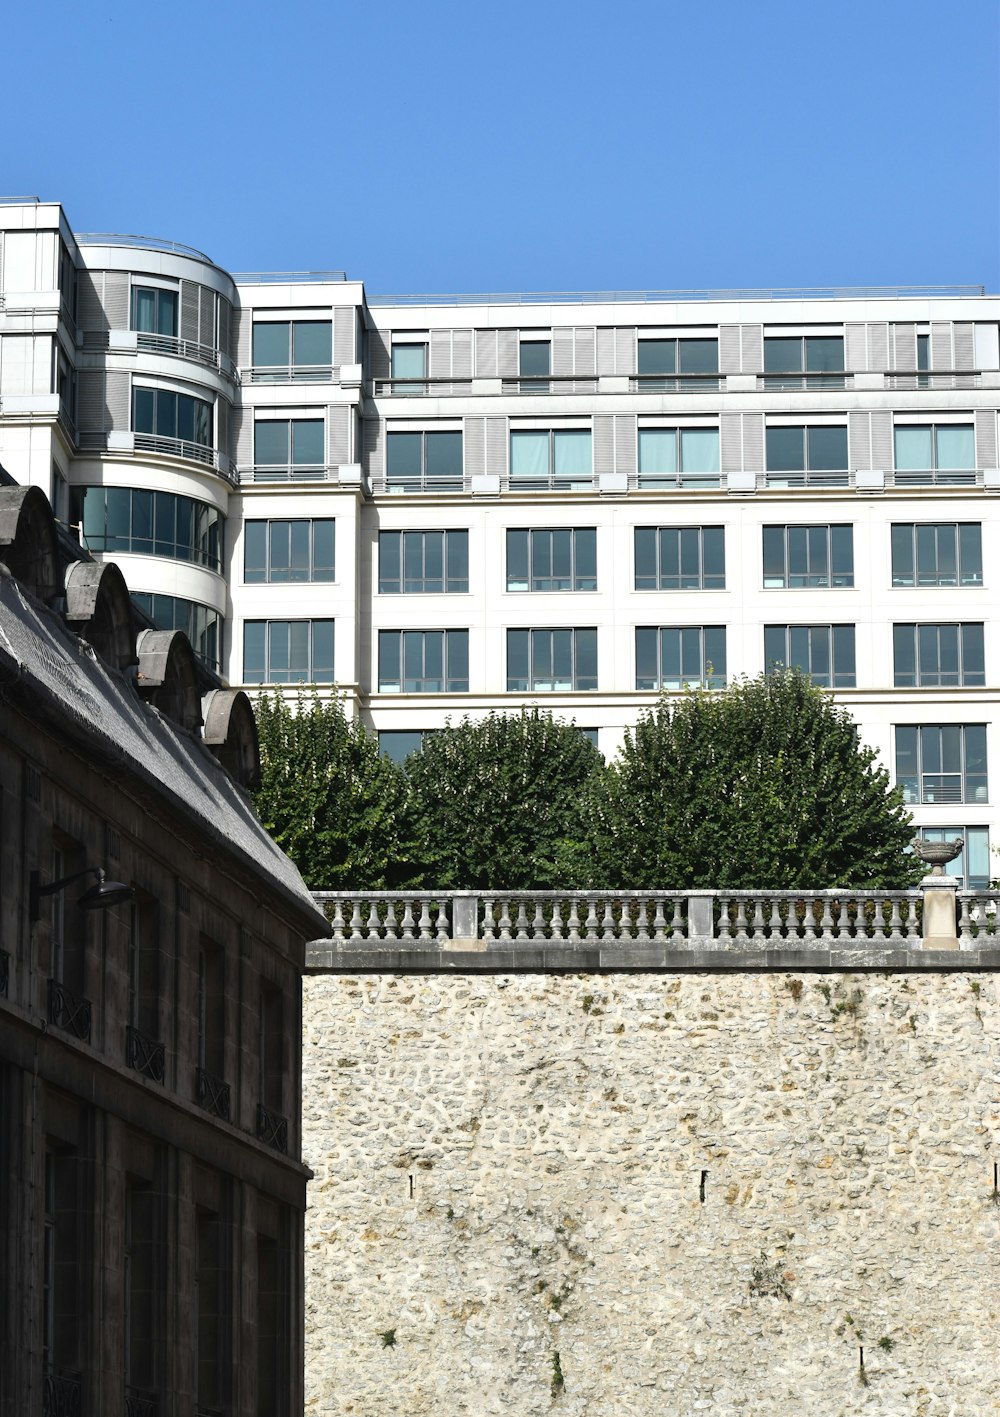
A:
345, 337
474, 446
986, 437
904, 348
626, 441
486, 354
461, 354
372, 443
189, 310
90, 401
605, 351
90, 302
625, 351
338, 435
223, 412
378, 354
116, 289
859, 445
496, 446
243, 320
881, 436
729, 349
604, 443
243, 441
440, 354
753, 442
965, 346
731, 442
856, 347
225, 327
507, 353
878, 347
752, 348
941, 345
585, 351
116, 393
562, 351
206, 317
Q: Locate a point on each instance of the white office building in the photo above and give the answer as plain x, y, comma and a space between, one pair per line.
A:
449, 505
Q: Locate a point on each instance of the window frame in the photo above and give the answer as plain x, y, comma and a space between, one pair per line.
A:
202, 624
424, 481
404, 584
159, 292
973, 785
409, 385
692, 642
943, 474
290, 675
803, 376
291, 468
972, 549
452, 642
807, 474
310, 577
205, 543
551, 478
659, 578
578, 580
696, 479
838, 637
291, 369
535, 681
808, 580
966, 649
202, 412
679, 377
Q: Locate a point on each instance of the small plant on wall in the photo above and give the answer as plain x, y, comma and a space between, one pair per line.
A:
768, 1280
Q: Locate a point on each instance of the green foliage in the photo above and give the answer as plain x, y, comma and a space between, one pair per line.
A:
496, 802
329, 798
764, 784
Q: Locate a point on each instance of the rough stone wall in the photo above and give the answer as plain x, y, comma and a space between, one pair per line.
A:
638, 1195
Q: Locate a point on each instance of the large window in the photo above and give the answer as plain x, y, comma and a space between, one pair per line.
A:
162, 413
423, 562
556, 558
973, 867
152, 524
288, 448
423, 661
399, 743
432, 462
409, 368
535, 365
201, 624
678, 457
289, 551
937, 554
942, 763
292, 349
551, 660
808, 557
802, 454
938, 656
935, 452
804, 362
659, 359
680, 558
551, 457
154, 311
824, 652
678, 656
288, 652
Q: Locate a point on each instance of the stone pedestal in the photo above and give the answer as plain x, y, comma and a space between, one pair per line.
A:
940, 929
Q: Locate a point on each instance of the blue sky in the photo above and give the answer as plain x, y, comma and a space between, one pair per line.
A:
524, 146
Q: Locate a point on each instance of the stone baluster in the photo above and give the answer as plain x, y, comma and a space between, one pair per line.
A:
574, 921
642, 920
504, 918
772, 919
755, 921
590, 927
338, 921
406, 927
489, 927
425, 920
356, 919
741, 920
895, 921
966, 923
556, 924
826, 930
659, 921
521, 931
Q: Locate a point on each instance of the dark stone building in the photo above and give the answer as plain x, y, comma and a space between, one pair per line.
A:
151, 1187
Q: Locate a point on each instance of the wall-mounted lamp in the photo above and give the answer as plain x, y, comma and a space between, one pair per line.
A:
100, 896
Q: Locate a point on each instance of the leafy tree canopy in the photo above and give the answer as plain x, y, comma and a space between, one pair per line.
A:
497, 802
329, 798
762, 784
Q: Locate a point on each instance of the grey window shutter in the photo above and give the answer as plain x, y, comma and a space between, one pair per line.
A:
878, 347
90, 401
731, 442
941, 345
345, 337
338, 435
116, 290
372, 449
189, 310
474, 446
90, 302
496, 446
206, 317
604, 443
625, 443
881, 435
461, 354
486, 354
904, 348
986, 437
223, 412
753, 442
116, 399
225, 327
859, 446
752, 348
243, 320
507, 354
729, 349
378, 354
625, 351
856, 347
440, 354
605, 351
585, 351
965, 346
562, 351
243, 419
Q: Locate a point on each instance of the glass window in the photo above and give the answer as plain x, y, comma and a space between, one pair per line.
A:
399, 743
678, 457
808, 557
288, 652
557, 558
423, 562
292, 348
680, 558
288, 444
409, 366
972, 867
937, 554
819, 448
554, 457
154, 311
938, 656
201, 624
551, 660
152, 524
162, 413
535, 365
424, 461
660, 358
942, 763
804, 362
675, 657
824, 652
288, 551
944, 447
423, 661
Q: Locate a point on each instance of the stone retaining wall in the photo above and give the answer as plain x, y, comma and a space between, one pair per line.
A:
631, 1195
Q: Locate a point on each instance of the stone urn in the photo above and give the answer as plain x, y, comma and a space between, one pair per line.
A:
937, 854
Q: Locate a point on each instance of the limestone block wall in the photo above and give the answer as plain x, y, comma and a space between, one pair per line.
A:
647, 1194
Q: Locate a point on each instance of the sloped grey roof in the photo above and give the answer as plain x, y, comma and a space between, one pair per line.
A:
55, 676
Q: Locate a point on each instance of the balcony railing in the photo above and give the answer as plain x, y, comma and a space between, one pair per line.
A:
291, 374
62, 1395
139, 1404
550, 384
931, 379
144, 1054
272, 1128
676, 383
291, 472
212, 1093
4, 973
422, 385
799, 379
68, 1011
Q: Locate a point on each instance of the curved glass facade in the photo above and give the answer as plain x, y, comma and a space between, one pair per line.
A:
201, 624
152, 524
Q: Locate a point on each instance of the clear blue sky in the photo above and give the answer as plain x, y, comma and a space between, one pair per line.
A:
530, 145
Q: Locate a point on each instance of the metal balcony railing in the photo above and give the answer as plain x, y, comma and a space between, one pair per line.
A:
799, 379
140, 1404
676, 383
290, 472
933, 379
212, 1093
62, 1395
272, 1128
69, 1011
291, 374
144, 1054
644, 297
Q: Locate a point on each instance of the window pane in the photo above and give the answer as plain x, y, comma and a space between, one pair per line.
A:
255, 552
165, 414
904, 656
298, 648
586, 558
517, 560
902, 554
646, 668
389, 568
785, 449
956, 446
143, 410
323, 549
166, 312
714, 557
409, 361
529, 455
398, 744
388, 660
971, 553
145, 310
572, 454
119, 505
142, 521
782, 355
185, 418
645, 558
973, 660
457, 550
270, 343
299, 550
312, 342
561, 553
433, 579
698, 356
518, 644
458, 661
699, 450
403, 456
774, 646
535, 357
444, 455
586, 659
307, 442
715, 656
907, 767
657, 356
827, 448
270, 444
824, 353
842, 555
657, 450
843, 657
322, 652
913, 449
254, 639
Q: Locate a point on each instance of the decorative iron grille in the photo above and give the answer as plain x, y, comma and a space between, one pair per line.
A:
62, 1395
272, 1128
4, 972
144, 1054
139, 1404
212, 1094
68, 1011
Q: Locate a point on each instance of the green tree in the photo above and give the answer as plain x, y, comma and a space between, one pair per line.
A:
762, 784
496, 802
329, 798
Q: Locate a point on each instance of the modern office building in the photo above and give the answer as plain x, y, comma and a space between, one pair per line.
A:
450, 505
